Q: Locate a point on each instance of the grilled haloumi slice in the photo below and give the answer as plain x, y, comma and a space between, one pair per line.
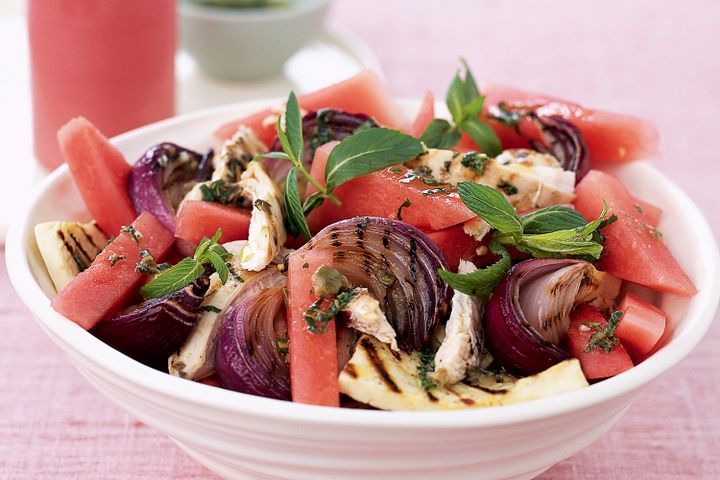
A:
68, 248
377, 376
528, 179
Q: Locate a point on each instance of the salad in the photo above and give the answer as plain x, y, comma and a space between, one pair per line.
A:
329, 252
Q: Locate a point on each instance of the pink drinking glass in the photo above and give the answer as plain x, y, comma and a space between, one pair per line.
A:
111, 61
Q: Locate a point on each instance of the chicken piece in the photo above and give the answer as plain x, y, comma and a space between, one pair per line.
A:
528, 179
236, 154
367, 317
267, 231
196, 358
460, 349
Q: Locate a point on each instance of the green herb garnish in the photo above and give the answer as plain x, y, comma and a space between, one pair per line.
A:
483, 281
550, 241
114, 258
604, 337
283, 345
366, 151
508, 188
190, 269
210, 308
465, 103
475, 161
425, 368
317, 318
223, 192
134, 234
507, 116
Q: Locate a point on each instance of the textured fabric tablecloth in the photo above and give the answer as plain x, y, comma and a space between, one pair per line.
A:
657, 59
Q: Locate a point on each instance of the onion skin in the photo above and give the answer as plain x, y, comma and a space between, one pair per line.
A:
398, 264
319, 128
160, 179
151, 331
510, 337
564, 141
247, 358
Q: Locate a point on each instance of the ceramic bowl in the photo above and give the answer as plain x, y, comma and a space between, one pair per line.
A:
242, 436
248, 43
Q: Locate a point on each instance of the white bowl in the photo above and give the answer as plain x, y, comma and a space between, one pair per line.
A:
243, 436
248, 43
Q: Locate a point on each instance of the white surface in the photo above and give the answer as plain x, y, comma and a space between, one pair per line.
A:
242, 436
333, 56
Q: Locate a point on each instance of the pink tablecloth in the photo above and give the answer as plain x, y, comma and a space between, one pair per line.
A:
657, 59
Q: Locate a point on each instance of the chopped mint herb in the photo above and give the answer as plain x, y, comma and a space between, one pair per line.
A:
604, 337
475, 161
134, 234
508, 188
426, 367
223, 193
210, 308
114, 258
317, 318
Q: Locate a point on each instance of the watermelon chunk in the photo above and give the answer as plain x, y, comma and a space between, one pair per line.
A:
313, 356
380, 194
455, 245
362, 93
634, 250
111, 281
610, 137
596, 363
425, 115
100, 173
197, 219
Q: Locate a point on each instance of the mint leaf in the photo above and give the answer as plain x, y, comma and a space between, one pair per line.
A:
483, 135
190, 269
284, 141
176, 277
455, 99
312, 202
367, 151
293, 127
440, 134
576, 241
295, 216
275, 155
552, 245
491, 206
483, 281
219, 265
551, 219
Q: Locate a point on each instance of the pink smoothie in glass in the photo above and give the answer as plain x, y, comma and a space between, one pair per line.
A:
111, 61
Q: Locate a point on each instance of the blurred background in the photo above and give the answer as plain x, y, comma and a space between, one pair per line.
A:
651, 58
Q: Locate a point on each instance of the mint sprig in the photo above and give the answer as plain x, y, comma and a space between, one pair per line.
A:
483, 281
366, 151
190, 269
465, 103
550, 232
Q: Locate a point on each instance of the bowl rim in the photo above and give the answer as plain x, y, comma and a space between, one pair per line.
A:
70, 336
189, 8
